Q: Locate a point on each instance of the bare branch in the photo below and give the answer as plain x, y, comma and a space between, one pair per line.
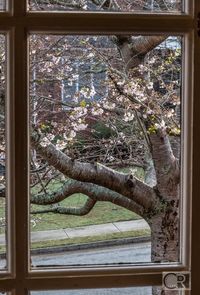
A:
84, 210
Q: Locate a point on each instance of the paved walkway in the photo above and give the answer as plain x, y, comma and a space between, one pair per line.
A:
85, 231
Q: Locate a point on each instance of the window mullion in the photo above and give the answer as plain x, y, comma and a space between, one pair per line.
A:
108, 23
21, 156
19, 7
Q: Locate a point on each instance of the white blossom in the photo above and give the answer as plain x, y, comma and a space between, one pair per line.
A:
78, 112
128, 116
96, 112
44, 142
90, 55
108, 105
60, 144
54, 124
79, 125
150, 85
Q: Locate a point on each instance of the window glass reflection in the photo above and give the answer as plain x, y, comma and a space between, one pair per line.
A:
111, 291
150, 6
2, 154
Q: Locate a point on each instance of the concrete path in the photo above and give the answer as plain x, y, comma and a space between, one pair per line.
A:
85, 231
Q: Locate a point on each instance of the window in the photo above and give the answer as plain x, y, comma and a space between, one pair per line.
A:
22, 25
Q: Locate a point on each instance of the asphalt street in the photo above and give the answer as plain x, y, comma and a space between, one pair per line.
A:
131, 253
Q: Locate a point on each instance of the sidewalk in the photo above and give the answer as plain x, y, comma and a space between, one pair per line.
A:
91, 230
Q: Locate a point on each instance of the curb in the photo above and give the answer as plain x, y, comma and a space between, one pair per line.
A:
92, 245
85, 246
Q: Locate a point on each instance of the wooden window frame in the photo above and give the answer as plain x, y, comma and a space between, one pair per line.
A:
17, 23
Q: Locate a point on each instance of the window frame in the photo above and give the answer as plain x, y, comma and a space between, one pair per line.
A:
17, 23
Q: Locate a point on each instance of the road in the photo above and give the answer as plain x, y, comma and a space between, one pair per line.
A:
111, 255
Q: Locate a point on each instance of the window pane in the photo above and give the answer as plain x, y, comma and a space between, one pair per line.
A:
111, 291
105, 125
2, 153
2, 5
101, 5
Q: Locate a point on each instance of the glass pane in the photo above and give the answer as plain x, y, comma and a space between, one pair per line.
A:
111, 291
105, 126
2, 155
149, 290
2, 5
168, 6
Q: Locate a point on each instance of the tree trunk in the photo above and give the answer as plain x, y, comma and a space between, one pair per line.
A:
165, 238
165, 242
165, 235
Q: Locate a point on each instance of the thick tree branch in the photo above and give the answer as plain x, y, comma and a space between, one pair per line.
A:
124, 184
94, 192
166, 165
134, 49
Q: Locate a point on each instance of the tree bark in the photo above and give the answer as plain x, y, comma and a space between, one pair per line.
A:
165, 234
